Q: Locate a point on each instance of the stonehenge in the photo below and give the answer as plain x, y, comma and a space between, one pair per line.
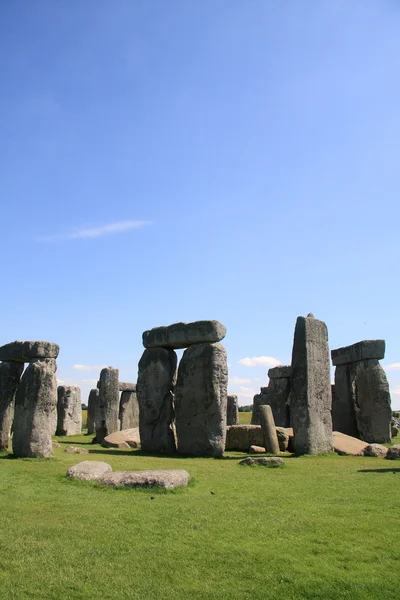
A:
107, 420
277, 395
361, 405
310, 388
128, 406
196, 396
93, 402
69, 410
268, 428
232, 410
10, 374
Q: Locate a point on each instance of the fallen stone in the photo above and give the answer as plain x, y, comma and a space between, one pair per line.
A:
282, 371
89, 470
183, 335
232, 410
376, 450
154, 390
201, 399
257, 450
128, 438
166, 478
93, 403
35, 415
10, 374
107, 421
393, 452
128, 410
76, 450
359, 351
69, 410
241, 437
267, 461
348, 446
310, 391
28, 351
271, 443
125, 386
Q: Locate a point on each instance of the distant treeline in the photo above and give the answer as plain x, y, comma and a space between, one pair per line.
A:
247, 408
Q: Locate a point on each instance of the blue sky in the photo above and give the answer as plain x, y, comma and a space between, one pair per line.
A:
226, 159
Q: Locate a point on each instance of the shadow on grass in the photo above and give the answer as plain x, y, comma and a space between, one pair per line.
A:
389, 470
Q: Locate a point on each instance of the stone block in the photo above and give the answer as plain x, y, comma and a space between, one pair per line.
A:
10, 374
183, 335
359, 351
27, 351
165, 478
69, 410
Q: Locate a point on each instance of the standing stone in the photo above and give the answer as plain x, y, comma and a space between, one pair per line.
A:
310, 396
271, 443
10, 374
278, 394
93, 403
129, 410
69, 410
373, 412
36, 410
201, 399
154, 389
232, 410
107, 421
258, 400
344, 401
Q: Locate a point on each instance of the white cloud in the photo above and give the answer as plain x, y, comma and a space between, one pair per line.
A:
260, 361
94, 381
247, 392
60, 381
94, 232
88, 367
392, 367
395, 391
239, 380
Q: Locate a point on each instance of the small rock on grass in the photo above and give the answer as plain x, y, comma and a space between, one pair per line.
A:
166, 478
376, 450
393, 453
89, 470
257, 450
76, 450
268, 461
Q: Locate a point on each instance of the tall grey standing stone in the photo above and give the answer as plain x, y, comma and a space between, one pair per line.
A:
69, 410
129, 410
373, 411
201, 399
278, 394
154, 389
310, 395
271, 442
93, 403
108, 421
10, 374
232, 410
36, 410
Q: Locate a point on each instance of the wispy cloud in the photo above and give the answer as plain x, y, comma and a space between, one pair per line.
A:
260, 361
239, 380
395, 391
94, 232
91, 381
88, 367
392, 367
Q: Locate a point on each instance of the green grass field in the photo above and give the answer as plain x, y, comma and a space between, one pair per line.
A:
320, 528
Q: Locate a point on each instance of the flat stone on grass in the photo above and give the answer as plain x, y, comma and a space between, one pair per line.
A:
89, 470
266, 461
346, 445
167, 479
394, 452
127, 438
76, 450
376, 450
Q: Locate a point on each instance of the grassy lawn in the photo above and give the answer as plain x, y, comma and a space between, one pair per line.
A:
245, 418
321, 527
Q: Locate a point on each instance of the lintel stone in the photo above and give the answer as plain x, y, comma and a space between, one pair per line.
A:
363, 350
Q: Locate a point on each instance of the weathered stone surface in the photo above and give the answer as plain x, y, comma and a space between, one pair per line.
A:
241, 437
257, 450
76, 450
258, 400
107, 421
69, 410
125, 386
123, 439
271, 443
267, 461
393, 453
27, 351
344, 401
394, 431
278, 399
36, 410
347, 445
166, 478
283, 438
359, 351
10, 374
89, 470
282, 371
376, 450
93, 407
310, 393
183, 335
154, 389
201, 399
373, 409
128, 410
232, 410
